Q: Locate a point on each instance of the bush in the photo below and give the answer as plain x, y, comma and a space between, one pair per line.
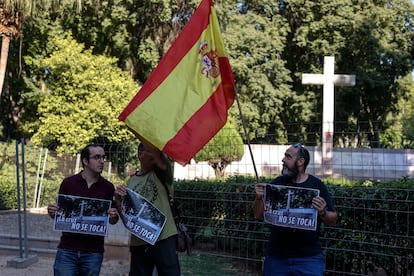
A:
8, 195
374, 230
53, 175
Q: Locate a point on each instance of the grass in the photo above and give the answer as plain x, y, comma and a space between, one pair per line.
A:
202, 263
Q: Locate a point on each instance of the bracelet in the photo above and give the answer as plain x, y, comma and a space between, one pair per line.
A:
323, 213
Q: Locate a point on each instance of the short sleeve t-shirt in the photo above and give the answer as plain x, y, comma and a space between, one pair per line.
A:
75, 185
150, 186
289, 242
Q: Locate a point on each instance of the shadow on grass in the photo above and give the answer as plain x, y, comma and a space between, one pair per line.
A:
202, 263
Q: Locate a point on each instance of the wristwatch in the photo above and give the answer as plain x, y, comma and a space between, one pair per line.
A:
323, 213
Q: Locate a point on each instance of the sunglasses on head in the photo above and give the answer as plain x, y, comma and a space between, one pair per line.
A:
301, 149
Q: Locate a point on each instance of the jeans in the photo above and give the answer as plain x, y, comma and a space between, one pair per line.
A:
72, 263
309, 266
161, 255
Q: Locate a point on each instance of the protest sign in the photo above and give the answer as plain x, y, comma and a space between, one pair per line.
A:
141, 217
289, 206
82, 215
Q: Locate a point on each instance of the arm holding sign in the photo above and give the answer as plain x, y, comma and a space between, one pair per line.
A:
120, 193
51, 210
258, 204
113, 215
327, 217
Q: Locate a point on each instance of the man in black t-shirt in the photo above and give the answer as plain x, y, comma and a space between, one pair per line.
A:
293, 251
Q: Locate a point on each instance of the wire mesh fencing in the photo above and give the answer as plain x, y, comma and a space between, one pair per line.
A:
374, 234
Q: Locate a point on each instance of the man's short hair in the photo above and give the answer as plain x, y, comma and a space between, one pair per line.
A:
141, 147
85, 152
302, 153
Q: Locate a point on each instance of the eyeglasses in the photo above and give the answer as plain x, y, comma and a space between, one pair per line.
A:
301, 149
98, 157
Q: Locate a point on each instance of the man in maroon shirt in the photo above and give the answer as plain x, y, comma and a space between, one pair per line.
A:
82, 254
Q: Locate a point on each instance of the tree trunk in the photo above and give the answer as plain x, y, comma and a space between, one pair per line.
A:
219, 168
3, 59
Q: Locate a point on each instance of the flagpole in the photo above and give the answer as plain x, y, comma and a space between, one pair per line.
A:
246, 133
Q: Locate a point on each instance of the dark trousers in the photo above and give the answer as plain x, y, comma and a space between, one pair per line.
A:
162, 255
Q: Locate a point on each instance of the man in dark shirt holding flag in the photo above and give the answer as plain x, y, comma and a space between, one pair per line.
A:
151, 181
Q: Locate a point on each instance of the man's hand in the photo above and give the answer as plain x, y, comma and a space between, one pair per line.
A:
258, 205
51, 210
113, 215
259, 189
319, 204
327, 217
119, 194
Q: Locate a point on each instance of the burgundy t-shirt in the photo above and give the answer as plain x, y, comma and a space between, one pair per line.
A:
77, 186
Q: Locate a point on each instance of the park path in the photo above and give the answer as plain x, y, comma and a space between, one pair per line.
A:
40, 225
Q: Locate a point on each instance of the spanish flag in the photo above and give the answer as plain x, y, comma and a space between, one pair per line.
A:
185, 101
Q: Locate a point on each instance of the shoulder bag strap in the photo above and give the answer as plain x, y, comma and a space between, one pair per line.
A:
173, 207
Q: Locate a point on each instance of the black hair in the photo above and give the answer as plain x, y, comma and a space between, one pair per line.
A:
141, 147
85, 152
302, 153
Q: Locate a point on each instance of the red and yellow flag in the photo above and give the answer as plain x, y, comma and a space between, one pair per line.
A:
185, 101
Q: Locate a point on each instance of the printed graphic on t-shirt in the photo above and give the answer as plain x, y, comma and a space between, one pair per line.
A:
289, 206
82, 215
142, 218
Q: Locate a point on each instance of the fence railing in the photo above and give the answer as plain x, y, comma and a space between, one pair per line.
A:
374, 234
375, 231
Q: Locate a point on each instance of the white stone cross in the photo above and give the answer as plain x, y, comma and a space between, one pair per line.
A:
329, 80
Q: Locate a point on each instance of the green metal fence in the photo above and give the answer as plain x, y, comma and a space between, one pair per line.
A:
374, 234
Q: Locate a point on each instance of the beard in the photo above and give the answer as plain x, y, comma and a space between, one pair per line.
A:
290, 173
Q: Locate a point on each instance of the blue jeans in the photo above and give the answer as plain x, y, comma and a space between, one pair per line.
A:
71, 263
310, 266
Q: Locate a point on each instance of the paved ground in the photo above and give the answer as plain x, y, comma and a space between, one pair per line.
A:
44, 267
40, 225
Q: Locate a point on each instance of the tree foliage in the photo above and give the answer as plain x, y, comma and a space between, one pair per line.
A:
399, 127
270, 44
371, 39
83, 97
225, 147
255, 36
41, 186
137, 32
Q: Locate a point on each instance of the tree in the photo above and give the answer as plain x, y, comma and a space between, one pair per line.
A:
270, 43
84, 96
225, 147
29, 20
255, 35
138, 32
10, 24
12, 16
371, 39
399, 131
407, 111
